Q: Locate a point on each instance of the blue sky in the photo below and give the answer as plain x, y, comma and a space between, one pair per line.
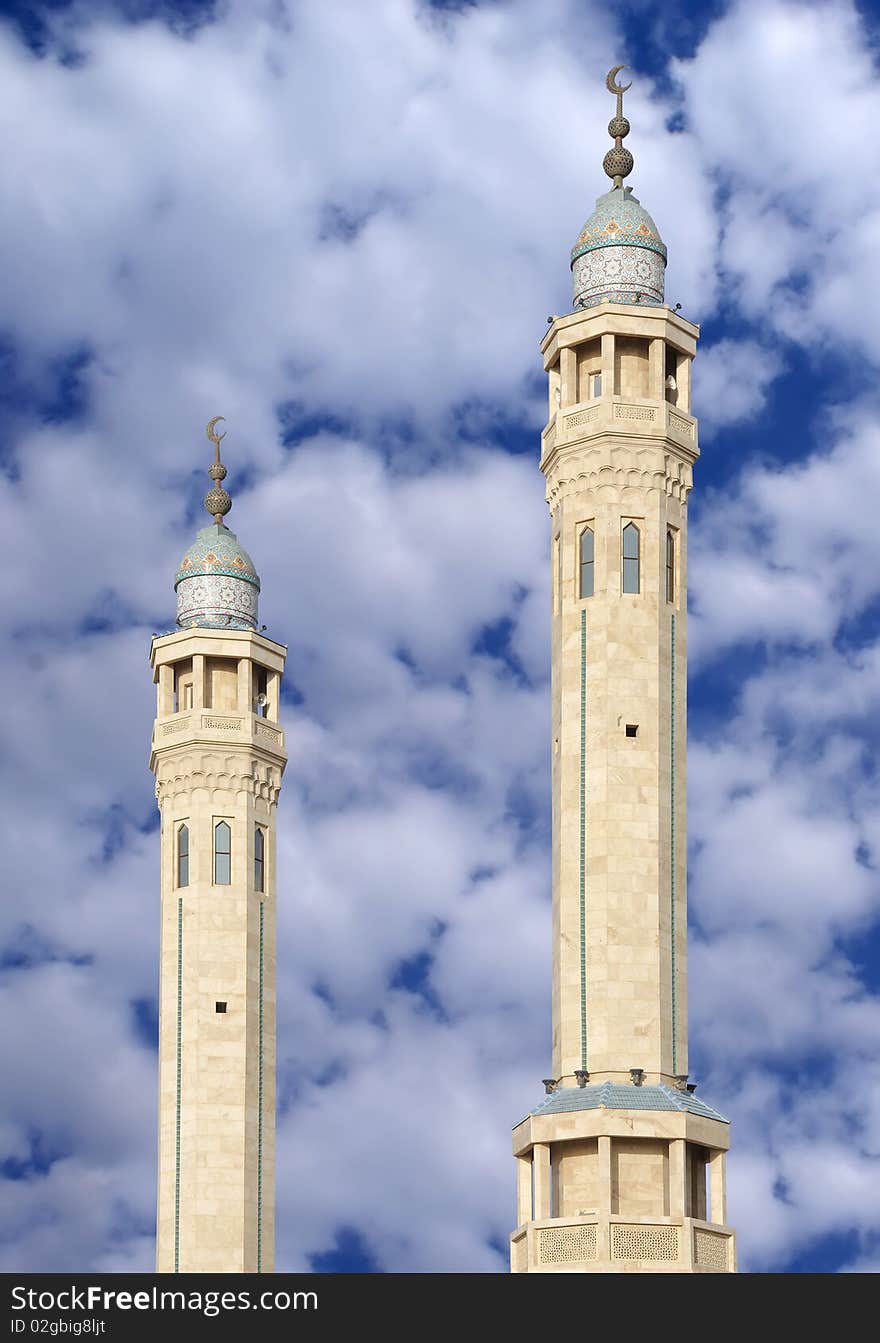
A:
342, 226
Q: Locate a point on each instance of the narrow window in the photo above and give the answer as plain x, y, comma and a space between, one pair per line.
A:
670, 565
183, 856
595, 385
222, 854
259, 863
631, 540
188, 695
587, 556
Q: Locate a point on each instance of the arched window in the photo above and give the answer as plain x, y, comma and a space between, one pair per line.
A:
259, 860
183, 856
670, 565
631, 539
222, 854
588, 547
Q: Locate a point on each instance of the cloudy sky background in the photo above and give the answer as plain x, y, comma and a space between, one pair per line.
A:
342, 225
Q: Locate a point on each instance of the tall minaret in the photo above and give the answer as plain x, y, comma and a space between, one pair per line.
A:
218, 756
614, 1165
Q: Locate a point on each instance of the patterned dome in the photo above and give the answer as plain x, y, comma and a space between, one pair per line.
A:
217, 585
619, 255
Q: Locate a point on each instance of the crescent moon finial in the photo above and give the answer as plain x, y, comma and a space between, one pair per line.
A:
611, 85
217, 500
212, 433
618, 162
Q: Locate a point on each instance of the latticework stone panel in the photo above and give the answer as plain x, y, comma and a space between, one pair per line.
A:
653, 1244
566, 1244
711, 1250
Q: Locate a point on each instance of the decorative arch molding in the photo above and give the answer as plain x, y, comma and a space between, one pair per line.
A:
228, 774
591, 472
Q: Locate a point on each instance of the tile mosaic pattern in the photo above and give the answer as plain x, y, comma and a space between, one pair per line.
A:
619, 254
217, 584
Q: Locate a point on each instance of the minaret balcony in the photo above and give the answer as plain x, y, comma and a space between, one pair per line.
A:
610, 1244
214, 727
623, 417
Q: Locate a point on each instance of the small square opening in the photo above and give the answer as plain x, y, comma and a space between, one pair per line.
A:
632, 729
219, 1007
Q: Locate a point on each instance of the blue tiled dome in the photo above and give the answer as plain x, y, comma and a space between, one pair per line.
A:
217, 585
619, 254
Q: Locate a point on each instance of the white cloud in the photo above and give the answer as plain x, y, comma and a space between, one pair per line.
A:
789, 555
733, 381
781, 99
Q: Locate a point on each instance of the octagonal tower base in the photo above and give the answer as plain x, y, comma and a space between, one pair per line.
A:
622, 1178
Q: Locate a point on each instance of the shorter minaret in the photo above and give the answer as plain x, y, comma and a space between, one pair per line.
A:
622, 1167
218, 756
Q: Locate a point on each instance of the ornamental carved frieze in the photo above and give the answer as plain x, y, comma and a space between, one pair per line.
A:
635, 469
215, 772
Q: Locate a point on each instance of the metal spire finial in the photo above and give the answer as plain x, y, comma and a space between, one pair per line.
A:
217, 500
618, 162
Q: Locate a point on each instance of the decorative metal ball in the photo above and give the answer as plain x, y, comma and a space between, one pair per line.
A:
217, 471
217, 501
618, 162
618, 126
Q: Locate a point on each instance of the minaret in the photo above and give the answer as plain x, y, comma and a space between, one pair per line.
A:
218, 756
613, 1167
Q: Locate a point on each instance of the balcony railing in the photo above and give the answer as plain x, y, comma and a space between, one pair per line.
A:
216, 725
622, 415
604, 1243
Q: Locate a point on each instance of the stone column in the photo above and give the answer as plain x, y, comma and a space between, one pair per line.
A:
605, 1169
273, 693
607, 363
245, 697
683, 378
198, 681
677, 1176
657, 369
523, 1190
165, 698
542, 1180
718, 1188
568, 375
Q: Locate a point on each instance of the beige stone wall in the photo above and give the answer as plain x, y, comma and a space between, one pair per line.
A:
216, 762
575, 1167
222, 683
631, 373
612, 666
640, 1178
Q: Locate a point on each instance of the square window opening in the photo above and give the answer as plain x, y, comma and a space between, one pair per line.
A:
632, 729
219, 1007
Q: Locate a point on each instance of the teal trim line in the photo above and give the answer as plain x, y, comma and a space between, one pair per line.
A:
177, 1115
260, 1111
625, 240
583, 841
672, 845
